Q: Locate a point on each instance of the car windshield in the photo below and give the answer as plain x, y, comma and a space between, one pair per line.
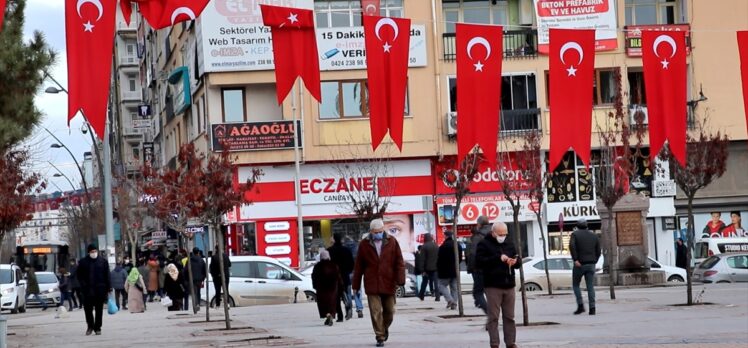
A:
709, 263
46, 278
701, 250
5, 276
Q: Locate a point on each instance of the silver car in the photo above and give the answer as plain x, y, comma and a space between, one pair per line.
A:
723, 268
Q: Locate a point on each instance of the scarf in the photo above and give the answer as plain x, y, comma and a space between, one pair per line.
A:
132, 278
172, 270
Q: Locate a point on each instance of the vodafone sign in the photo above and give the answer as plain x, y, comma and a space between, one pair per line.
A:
488, 178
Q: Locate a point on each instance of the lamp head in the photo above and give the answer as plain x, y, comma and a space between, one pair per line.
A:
55, 146
52, 90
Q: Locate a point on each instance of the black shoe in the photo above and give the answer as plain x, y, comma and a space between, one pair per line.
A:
44, 309
386, 334
328, 321
348, 314
340, 320
580, 310
437, 299
360, 313
420, 297
592, 310
380, 343
89, 332
98, 333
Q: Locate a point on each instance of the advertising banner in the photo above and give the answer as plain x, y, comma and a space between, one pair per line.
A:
487, 179
493, 206
234, 39
250, 136
578, 14
634, 36
279, 240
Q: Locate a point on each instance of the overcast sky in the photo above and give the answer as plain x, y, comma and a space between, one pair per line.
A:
48, 16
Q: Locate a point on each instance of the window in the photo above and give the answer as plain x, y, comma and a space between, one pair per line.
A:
553, 265
652, 12
240, 269
267, 270
637, 92
346, 99
6, 276
740, 262
571, 181
130, 49
604, 87
233, 105
132, 85
474, 11
347, 13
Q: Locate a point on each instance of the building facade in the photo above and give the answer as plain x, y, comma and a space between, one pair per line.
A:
211, 82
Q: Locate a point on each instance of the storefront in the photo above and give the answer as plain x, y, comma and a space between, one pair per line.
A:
268, 226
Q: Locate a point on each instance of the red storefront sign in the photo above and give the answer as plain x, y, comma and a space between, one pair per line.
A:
486, 180
634, 36
279, 239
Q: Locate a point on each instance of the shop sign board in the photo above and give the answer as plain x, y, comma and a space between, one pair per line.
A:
572, 211
578, 14
634, 36
493, 206
250, 136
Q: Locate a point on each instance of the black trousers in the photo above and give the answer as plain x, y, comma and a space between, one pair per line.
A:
120, 293
89, 306
217, 287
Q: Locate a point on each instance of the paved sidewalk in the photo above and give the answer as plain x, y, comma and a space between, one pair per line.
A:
638, 318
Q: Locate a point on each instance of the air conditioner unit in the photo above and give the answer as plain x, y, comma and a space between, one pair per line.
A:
451, 123
635, 111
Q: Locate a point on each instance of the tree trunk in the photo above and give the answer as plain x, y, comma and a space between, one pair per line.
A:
611, 255
545, 252
691, 235
458, 296
518, 245
224, 284
207, 286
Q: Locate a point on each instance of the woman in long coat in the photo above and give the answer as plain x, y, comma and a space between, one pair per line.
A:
327, 282
173, 287
135, 288
154, 273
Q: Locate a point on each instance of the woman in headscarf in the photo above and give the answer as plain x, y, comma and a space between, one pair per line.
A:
327, 282
135, 288
173, 287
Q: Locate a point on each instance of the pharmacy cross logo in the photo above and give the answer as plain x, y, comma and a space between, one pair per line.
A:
478, 40
571, 45
669, 40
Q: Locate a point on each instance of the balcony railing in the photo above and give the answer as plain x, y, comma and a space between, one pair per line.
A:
518, 44
129, 60
128, 95
515, 122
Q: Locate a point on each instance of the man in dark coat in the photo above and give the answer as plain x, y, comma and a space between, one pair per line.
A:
197, 266
380, 262
430, 257
343, 257
680, 254
584, 247
480, 231
75, 286
327, 283
215, 272
497, 258
93, 276
447, 273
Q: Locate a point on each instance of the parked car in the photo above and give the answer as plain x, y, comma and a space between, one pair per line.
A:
260, 280
707, 247
12, 289
672, 274
723, 268
49, 290
409, 289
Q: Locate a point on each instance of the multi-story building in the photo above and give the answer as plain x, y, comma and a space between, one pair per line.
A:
212, 80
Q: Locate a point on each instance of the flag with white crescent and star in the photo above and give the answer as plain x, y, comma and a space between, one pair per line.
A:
294, 49
479, 57
664, 65
387, 49
89, 29
370, 7
165, 13
743, 52
571, 60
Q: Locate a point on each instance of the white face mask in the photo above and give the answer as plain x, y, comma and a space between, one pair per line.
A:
501, 239
93, 255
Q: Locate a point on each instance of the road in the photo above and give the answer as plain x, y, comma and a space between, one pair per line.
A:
640, 317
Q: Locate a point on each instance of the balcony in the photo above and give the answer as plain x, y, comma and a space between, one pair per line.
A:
639, 113
518, 44
131, 96
134, 132
512, 122
128, 59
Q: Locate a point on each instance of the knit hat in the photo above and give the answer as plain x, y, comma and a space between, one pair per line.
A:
91, 248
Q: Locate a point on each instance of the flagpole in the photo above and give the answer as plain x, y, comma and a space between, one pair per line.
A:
297, 177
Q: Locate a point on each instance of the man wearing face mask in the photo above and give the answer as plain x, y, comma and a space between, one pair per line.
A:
380, 262
93, 276
497, 258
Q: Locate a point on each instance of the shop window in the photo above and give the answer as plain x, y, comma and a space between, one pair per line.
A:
248, 240
571, 181
234, 105
347, 13
347, 99
652, 12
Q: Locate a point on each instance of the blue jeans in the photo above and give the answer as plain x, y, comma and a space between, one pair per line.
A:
357, 298
588, 271
40, 300
430, 279
66, 295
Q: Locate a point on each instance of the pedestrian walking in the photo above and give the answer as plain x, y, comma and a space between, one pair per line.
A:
446, 270
135, 287
497, 258
681, 257
118, 277
173, 287
143, 270
430, 257
343, 258
63, 278
328, 284
197, 266
585, 251
153, 278
380, 263
127, 264
32, 287
352, 246
419, 262
75, 286
215, 272
93, 275
482, 229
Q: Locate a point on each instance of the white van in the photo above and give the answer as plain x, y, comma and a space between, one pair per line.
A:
12, 289
707, 247
259, 280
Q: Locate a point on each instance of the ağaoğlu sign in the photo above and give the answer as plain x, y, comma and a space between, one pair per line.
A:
255, 136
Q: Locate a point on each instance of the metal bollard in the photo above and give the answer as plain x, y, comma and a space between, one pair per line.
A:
295, 296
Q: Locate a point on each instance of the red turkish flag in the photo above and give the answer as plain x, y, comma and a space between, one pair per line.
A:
165, 13
387, 48
571, 57
370, 7
294, 48
2, 17
479, 56
89, 28
664, 58
743, 50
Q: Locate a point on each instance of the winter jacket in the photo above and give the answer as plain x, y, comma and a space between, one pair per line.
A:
478, 235
118, 277
93, 275
342, 257
74, 284
446, 262
215, 267
496, 273
197, 266
32, 285
174, 288
420, 263
64, 280
584, 247
382, 273
430, 254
